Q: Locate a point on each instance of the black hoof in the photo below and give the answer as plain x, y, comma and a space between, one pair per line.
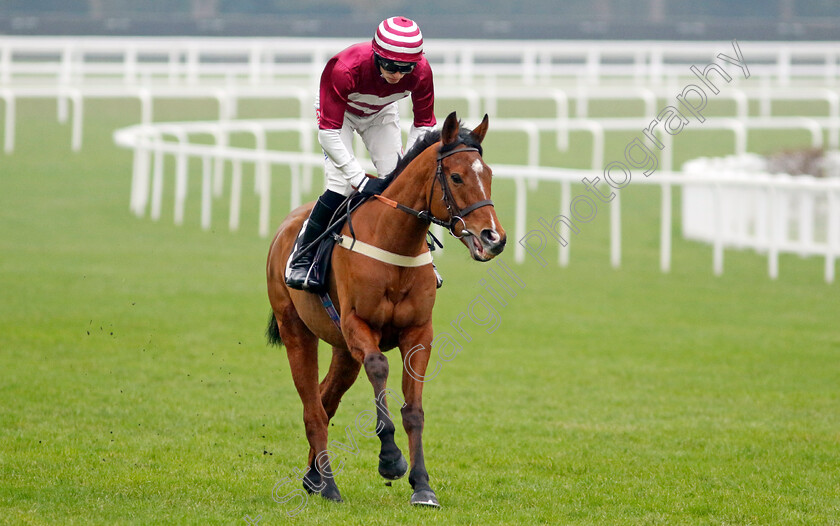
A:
313, 485
312, 482
331, 493
426, 498
393, 469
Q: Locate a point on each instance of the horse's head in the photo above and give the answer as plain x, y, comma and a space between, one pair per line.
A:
465, 182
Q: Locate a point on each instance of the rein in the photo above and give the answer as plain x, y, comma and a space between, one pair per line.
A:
456, 214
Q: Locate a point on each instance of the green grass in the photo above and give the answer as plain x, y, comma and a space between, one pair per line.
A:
137, 387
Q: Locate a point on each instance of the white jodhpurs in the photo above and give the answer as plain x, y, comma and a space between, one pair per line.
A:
382, 138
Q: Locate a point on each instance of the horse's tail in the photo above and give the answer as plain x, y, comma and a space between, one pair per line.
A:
272, 332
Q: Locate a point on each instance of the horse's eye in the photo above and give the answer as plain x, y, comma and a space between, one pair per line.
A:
456, 178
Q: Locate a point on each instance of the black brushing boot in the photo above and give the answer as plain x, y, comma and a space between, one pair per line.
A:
318, 221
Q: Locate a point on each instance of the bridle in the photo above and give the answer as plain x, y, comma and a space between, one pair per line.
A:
456, 214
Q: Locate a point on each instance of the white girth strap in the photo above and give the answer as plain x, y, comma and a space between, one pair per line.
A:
383, 255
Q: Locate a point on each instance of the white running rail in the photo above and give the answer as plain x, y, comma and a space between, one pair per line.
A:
561, 78
770, 195
257, 61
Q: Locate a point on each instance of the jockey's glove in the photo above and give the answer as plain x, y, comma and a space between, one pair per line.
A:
372, 186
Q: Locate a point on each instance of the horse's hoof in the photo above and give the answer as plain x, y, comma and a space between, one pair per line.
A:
394, 469
311, 484
425, 497
328, 492
331, 493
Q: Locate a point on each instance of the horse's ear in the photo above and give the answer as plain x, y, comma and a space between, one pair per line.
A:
481, 130
450, 129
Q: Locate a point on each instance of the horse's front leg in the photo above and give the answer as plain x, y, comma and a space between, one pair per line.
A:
415, 347
363, 343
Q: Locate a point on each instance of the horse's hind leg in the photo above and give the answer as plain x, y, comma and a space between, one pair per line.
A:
342, 375
302, 351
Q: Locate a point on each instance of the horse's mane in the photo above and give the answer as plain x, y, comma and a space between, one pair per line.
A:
430, 138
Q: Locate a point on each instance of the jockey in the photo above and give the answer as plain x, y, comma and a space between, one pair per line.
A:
359, 90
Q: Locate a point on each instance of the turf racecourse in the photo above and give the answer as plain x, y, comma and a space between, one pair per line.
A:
137, 387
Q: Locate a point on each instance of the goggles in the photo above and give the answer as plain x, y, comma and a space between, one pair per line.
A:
392, 66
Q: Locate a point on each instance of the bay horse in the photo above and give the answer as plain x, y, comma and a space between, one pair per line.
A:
382, 305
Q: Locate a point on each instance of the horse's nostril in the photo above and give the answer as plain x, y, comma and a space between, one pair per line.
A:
490, 237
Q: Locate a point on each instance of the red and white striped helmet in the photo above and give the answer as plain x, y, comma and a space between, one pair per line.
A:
398, 38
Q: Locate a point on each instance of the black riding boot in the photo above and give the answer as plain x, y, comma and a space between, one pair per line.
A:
318, 221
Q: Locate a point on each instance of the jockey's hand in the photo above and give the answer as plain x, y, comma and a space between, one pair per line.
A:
372, 186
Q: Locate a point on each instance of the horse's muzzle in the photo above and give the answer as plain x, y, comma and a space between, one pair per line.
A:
492, 241
485, 246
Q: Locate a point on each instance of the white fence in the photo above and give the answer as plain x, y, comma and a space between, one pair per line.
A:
258, 61
823, 130
566, 76
150, 145
722, 192
771, 213
563, 77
